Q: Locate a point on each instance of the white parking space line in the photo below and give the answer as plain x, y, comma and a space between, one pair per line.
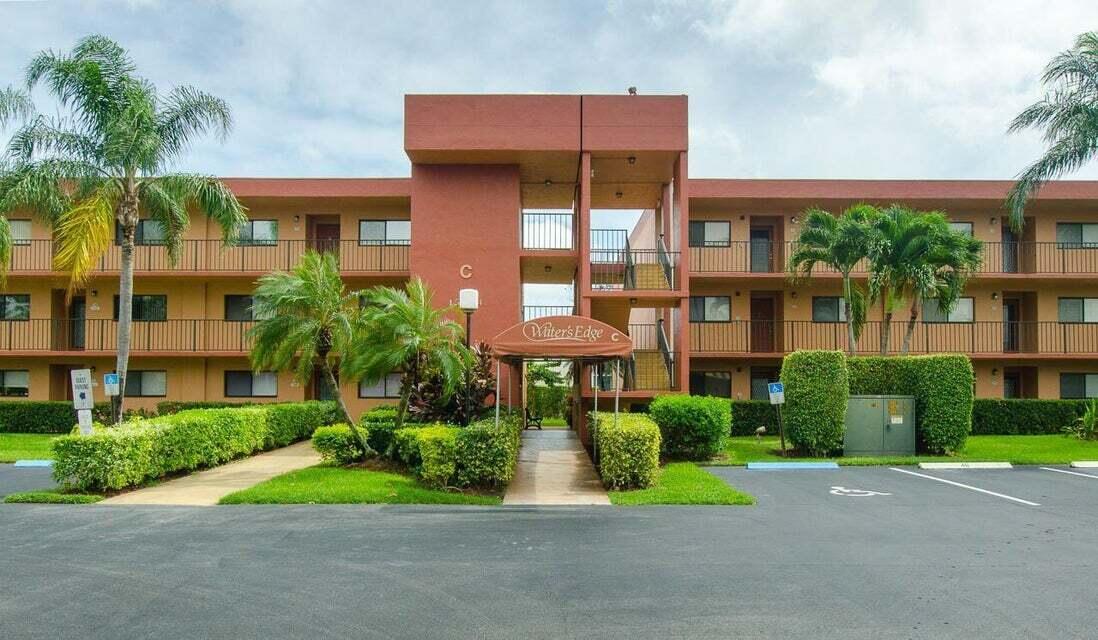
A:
1071, 473
969, 487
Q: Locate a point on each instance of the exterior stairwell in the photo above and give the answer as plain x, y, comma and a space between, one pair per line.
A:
650, 371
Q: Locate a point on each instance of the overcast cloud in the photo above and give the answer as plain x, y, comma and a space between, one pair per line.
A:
790, 89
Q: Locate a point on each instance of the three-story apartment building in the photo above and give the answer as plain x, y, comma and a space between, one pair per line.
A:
503, 192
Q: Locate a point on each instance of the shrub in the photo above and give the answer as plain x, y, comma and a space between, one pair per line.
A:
1085, 426
141, 450
942, 386
691, 427
292, 421
437, 454
748, 415
487, 455
816, 391
337, 443
993, 416
30, 416
629, 451
168, 407
549, 402
379, 414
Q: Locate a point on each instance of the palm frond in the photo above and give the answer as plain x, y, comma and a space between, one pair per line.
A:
6, 243
14, 104
210, 196
83, 234
188, 112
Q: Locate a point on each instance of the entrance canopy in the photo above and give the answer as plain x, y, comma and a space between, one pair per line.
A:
573, 337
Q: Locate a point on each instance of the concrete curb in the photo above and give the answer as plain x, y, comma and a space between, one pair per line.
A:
779, 466
1085, 464
965, 465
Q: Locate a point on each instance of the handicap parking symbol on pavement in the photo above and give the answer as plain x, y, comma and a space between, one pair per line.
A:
856, 493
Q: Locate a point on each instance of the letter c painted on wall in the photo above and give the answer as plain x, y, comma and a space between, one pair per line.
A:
466, 271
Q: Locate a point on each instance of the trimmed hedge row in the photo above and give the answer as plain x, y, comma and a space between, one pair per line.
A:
943, 390
1024, 416
816, 390
338, 444
748, 415
691, 427
168, 407
629, 451
480, 455
30, 416
143, 450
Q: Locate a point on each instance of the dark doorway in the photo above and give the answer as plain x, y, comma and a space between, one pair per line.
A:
1012, 385
762, 250
1020, 382
1010, 250
323, 234
77, 315
1012, 315
320, 389
762, 325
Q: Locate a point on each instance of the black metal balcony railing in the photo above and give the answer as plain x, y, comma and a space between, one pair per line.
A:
532, 312
355, 256
644, 371
168, 336
999, 258
547, 231
976, 338
634, 269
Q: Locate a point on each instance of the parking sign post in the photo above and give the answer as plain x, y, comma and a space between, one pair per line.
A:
82, 398
777, 398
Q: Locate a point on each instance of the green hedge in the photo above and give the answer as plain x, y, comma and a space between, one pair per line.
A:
168, 407
942, 386
629, 451
142, 450
816, 391
691, 427
292, 421
748, 415
338, 444
479, 455
30, 416
548, 402
992, 416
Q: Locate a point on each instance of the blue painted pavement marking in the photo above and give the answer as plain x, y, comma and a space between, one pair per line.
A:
769, 466
34, 463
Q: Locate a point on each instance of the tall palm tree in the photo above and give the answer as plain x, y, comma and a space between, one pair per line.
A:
897, 264
951, 258
403, 331
105, 164
308, 321
840, 243
13, 105
1069, 116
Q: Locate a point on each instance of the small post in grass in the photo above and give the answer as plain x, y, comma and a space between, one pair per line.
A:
777, 398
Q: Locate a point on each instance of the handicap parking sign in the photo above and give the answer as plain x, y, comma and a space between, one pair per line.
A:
777, 392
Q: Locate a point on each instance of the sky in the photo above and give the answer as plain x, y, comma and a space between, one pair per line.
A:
778, 89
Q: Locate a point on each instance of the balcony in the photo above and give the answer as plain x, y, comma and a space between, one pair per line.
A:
547, 231
213, 256
100, 336
1000, 258
746, 337
532, 312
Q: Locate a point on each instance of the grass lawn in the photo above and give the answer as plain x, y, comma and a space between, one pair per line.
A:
324, 484
683, 483
1047, 449
554, 422
25, 446
52, 496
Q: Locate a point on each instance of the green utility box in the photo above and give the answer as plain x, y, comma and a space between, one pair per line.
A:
880, 425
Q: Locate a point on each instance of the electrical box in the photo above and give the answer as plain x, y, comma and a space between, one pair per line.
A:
880, 425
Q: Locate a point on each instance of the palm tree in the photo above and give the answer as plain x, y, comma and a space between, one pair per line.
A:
1069, 116
13, 105
403, 331
951, 258
308, 321
840, 243
897, 261
105, 165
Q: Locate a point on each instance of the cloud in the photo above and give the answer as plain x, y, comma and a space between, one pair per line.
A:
794, 88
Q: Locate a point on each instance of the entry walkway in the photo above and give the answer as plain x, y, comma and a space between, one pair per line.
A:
208, 487
554, 469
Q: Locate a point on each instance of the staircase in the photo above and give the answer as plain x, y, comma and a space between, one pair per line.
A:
650, 371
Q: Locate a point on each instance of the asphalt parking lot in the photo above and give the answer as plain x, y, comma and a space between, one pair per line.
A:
927, 560
15, 479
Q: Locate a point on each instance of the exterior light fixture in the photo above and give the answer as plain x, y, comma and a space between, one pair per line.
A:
993, 219
994, 372
618, 195
548, 268
468, 302
995, 296
297, 218
793, 294
632, 301
794, 220
548, 182
632, 159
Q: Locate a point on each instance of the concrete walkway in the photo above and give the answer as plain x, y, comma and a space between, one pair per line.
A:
208, 487
554, 469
